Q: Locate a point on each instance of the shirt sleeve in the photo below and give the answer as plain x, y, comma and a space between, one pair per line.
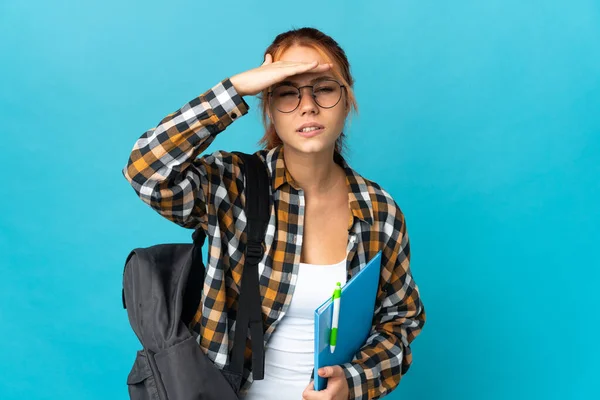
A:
163, 167
378, 366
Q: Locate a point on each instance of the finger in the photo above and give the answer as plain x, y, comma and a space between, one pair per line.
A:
323, 67
320, 65
309, 391
307, 66
311, 67
300, 68
268, 59
331, 372
301, 65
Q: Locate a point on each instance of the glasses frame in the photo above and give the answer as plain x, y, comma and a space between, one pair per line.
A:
312, 91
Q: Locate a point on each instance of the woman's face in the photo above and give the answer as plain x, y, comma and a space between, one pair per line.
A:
331, 119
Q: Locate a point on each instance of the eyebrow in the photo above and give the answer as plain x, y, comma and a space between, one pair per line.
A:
317, 79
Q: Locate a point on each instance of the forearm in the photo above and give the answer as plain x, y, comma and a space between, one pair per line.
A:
159, 169
399, 317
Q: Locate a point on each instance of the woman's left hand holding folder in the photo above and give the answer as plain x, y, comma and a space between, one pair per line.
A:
337, 387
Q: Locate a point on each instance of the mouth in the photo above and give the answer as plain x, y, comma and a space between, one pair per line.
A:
310, 131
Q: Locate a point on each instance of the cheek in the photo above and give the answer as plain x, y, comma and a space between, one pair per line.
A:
340, 118
283, 124
278, 119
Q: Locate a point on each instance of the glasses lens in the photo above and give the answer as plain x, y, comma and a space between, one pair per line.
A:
285, 98
327, 93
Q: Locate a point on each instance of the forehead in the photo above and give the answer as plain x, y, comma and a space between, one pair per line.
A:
304, 54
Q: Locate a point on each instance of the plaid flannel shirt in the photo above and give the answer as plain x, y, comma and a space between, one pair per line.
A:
166, 172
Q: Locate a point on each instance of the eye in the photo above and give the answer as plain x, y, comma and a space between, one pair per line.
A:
289, 93
324, 90
285, 92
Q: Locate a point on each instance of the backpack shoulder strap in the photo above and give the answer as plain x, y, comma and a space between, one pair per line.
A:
257, 198
257, 201
249, 314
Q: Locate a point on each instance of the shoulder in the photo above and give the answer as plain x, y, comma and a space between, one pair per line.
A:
388, 216
228, 160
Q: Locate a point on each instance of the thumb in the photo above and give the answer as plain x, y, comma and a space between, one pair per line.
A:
268, 59
328, 372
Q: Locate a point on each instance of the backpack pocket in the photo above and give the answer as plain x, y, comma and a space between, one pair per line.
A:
140, 381
187, 373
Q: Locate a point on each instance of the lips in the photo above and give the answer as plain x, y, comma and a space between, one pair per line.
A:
310, 133
309, 125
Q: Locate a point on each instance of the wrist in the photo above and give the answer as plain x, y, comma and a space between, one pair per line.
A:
236, 85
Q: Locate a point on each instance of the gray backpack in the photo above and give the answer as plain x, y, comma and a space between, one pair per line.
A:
162, 288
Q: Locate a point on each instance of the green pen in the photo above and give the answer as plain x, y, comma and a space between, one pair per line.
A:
337, 294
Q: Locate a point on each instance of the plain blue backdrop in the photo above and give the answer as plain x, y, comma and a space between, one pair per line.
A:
481, 118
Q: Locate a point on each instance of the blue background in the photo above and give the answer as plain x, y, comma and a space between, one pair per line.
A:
481, 118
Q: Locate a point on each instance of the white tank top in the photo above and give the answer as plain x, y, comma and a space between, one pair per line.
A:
289, 354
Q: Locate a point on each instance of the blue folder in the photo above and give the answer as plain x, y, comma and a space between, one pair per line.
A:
357, 305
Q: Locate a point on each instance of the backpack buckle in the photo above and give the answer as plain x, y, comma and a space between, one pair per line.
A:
254, 252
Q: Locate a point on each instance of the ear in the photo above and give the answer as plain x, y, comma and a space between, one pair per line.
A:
270, 114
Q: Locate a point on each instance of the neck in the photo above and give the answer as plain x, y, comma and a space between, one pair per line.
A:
315, 173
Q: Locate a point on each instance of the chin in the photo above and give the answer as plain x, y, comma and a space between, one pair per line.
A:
309, 145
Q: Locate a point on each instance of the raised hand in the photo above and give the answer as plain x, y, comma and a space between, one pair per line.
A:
253, 81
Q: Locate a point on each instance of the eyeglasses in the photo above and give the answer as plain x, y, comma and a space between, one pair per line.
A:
286, 97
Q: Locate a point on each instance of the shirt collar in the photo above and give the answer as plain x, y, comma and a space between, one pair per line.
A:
358, 194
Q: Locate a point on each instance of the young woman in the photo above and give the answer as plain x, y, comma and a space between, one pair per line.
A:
326, 221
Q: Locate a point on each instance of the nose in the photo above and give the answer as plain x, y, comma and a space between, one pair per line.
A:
307, 102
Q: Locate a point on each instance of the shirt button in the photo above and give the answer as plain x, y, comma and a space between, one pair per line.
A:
233, 115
